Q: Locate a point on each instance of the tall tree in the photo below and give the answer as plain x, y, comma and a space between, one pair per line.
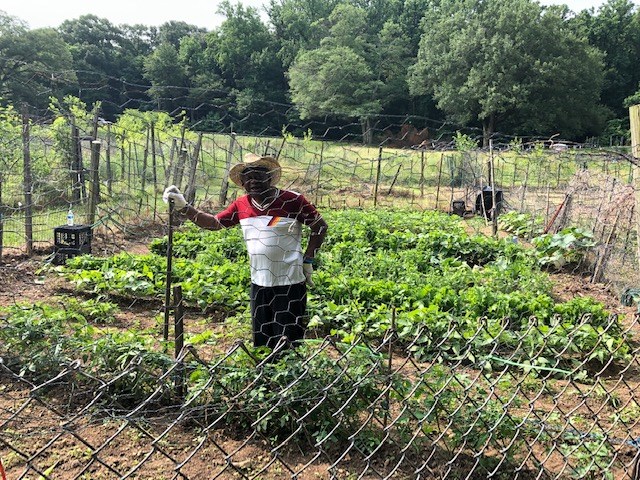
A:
101, 57
298, 25
173, 32
249, 67
34, 64
167, 76
358, 71
490, 61
615, 30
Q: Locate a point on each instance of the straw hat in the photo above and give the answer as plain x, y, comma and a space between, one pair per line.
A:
253, 160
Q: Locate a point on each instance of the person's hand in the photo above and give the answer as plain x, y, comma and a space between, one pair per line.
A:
307, 268
172, 193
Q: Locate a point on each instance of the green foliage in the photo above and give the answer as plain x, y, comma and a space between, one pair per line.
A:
450, 293
590, 458
569, 245
464, 142
40, 340
521, 224
467, 57
334, 393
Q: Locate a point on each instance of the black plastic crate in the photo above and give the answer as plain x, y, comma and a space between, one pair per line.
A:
75, 236
61, 255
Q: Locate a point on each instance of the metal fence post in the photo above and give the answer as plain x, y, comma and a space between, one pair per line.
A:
178, 335
28, 182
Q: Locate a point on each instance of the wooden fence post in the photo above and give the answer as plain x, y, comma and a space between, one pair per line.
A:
1, 220
28, 182
319, 170
154, 166
375, 189
634, 117
492, 182
108, 160
179, 171
190, 192
94, 196
439, 180
76, 166
225, 178
145, 159
422, 174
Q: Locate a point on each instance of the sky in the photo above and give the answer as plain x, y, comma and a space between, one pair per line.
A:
202, 13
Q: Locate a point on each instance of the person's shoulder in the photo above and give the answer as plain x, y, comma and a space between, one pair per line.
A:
244, 199
290, 194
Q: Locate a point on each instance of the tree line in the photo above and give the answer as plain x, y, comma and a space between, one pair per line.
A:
494, 65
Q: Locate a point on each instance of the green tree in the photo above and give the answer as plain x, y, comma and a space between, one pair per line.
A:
206, 88
355, 73
298, 25
173, 32
615, 30
102, 56
248, 65
34, 64
488, 62
167, 76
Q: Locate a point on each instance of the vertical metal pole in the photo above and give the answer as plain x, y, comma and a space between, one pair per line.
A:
28, 183
167, 291
178, 333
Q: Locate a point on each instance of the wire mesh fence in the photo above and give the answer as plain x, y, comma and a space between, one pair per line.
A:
326, 410
112, 178
517, 397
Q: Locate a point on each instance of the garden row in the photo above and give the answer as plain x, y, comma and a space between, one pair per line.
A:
419, 273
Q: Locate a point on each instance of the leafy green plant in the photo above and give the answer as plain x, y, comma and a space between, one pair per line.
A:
306, 383
589, 459
449, 292
39, 340
521, 224
569, 245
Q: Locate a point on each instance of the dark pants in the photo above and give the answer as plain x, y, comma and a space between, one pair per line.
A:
278, 311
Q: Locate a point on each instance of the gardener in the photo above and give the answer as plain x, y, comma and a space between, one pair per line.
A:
271, 221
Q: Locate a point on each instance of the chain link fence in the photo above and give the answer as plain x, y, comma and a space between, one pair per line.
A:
328, 410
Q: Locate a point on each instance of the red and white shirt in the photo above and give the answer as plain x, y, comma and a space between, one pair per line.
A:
273, 235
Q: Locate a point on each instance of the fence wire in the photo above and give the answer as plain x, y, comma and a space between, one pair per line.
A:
113, 181
327, 409
336, 411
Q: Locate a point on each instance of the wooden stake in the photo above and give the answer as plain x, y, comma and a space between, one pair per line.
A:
634, 117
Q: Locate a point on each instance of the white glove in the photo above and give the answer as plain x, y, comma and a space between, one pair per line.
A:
172, 193
307, 269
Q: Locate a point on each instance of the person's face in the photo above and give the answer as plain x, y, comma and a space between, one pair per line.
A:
256, 180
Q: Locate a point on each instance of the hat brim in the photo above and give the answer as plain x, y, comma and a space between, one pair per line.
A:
251, 160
